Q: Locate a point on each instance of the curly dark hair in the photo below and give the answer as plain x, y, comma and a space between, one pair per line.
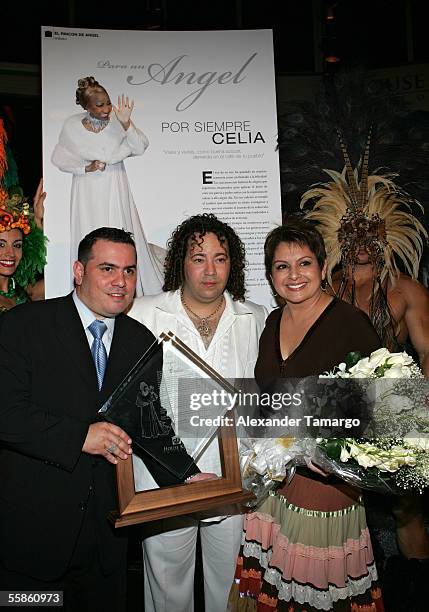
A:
199, 225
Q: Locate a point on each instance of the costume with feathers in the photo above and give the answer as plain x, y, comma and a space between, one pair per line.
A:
372, 213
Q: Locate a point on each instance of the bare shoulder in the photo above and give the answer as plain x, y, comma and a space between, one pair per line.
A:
411, 290
36, 291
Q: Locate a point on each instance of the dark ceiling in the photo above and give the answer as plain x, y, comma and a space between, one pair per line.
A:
377, 32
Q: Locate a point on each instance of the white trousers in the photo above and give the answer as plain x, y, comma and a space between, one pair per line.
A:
169, 564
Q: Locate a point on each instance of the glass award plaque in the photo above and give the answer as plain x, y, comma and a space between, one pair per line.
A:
169, 405
138, 406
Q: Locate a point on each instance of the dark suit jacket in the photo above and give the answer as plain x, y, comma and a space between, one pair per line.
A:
48, 398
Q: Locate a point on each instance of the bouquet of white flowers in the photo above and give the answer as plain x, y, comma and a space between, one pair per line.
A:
392, 454
381, 461
380, 364
379, 464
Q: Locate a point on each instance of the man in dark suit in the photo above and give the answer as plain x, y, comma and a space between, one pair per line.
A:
57, 482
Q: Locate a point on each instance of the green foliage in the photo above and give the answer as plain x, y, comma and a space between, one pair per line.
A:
352, 358
33, 257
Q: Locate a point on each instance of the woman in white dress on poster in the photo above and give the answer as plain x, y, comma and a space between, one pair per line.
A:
92, 146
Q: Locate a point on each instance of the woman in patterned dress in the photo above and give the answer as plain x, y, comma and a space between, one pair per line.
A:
307, 547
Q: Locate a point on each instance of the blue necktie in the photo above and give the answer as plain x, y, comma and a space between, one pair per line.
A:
98, 350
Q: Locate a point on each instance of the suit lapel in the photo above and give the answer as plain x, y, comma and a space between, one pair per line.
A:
125, 350
71, 334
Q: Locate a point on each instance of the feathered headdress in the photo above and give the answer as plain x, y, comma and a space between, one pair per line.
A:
368, 213
372, 213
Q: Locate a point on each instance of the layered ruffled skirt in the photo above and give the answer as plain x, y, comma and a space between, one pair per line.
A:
306, 549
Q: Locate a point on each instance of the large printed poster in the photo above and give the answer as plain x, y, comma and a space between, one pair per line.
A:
206, 103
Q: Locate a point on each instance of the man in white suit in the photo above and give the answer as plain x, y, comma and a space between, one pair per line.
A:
203, 304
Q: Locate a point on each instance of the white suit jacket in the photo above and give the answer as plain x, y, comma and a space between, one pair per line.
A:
232, 352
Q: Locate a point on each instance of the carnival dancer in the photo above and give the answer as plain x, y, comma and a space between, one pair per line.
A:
371, 233
22, 249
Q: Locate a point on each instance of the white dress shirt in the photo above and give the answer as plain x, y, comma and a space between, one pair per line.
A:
232, 351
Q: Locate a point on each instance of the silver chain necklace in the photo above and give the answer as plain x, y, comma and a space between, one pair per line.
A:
203, 326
